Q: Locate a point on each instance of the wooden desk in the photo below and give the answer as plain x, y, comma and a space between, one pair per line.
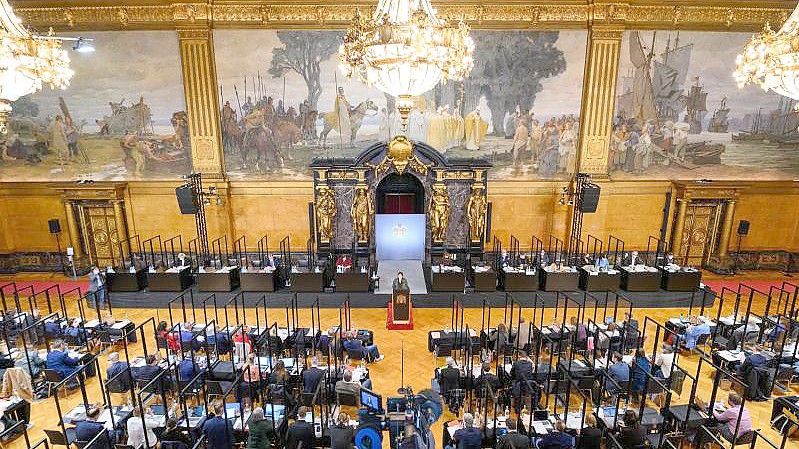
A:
485, 282
258, 281
520, 282
680, 281
170, 281
219, 281
559, 281
599, 282
307, 282
447, 282
352, 281
124, 281
640, 281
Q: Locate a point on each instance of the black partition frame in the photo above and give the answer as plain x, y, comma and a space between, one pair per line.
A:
131, 250
149, 255
615, 250
656, 250
170, 254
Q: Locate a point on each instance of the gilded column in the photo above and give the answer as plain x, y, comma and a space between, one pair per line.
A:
679, 228
72, 227
200, 89
726, 230
121, 225
599, 90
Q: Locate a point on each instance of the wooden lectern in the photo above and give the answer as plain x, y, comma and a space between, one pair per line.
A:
401, 306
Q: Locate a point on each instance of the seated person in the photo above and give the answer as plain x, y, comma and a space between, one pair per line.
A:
173, 433
728, 418
342, 434
115, 370
670, 264
665, 361
601, 263
89, 428
32, 364
632, 260
542, 259
446, 259
631, 435
354, 344
261, 430
217, 430
144, 374
696, 329
188, 369
499, 338
136, 429
750, 329
618, 372
558, 439
241, 336
449, 377
513, 439
300, 431
469, 436
641, 367
312, 376
488, 379
590, 435
586, 259
59, 360
347, 386
76, 332
754, 359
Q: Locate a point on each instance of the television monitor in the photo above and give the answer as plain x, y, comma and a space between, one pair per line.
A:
371, 400
540, 415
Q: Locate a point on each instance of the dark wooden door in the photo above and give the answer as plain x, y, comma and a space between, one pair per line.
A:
399, 203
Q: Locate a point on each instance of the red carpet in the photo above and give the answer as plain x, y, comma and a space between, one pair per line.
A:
24, 287
758, 284
392, 326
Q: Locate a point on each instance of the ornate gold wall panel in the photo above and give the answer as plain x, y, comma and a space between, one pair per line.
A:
599, 89
650, 14
199, 80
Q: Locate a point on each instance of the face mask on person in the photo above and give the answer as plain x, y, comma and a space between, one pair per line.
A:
96, 271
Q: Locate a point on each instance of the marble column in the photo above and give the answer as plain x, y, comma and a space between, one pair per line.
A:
679, 229
72, 227
121, 226
599, 90
726, 230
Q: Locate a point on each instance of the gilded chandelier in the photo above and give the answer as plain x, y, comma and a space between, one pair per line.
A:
405, 50
27, 62
771, 59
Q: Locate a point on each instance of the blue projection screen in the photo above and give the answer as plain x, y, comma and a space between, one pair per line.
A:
400, 236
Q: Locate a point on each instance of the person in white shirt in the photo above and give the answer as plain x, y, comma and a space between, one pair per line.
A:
136, 429
665, 360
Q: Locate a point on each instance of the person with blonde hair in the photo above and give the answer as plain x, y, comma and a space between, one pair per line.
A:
342, 434
590, 435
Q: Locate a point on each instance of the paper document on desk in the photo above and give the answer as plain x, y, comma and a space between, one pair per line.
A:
539, 428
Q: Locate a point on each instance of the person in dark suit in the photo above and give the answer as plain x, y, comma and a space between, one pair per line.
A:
449, 377
312, 376
217, 430
468, 437
558, 439
590, 435
300, 431
342, 434
543, 259
632, 434
59, 360
513, 439
632, 259
400, 284
487, 378
619, 372
522, 373
115, 368
89, 428
172, 433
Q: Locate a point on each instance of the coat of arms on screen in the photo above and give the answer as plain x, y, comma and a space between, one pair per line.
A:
399, 230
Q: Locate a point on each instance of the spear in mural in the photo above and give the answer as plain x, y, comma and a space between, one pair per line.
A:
284, 91
338, 113
238, 101
245, 87
261, 84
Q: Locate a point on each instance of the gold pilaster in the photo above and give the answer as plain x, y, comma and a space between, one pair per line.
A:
72, 227
121, 227
726, 230
679, 228
199, 85
599, 88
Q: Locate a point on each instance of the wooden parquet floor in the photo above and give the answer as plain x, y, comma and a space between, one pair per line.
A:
388, 375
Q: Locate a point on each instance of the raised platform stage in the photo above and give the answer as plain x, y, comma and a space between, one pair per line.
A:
658, 299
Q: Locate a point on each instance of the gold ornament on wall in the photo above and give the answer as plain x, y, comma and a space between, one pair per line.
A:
400, 155
439, 212
325, 213
476, 212
361, 212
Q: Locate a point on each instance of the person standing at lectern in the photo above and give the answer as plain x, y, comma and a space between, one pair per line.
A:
400, 283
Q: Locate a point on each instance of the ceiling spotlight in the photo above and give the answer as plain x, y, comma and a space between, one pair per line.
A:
83, 45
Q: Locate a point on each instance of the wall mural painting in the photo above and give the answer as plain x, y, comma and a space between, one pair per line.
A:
123, 116
284, 103
680, 115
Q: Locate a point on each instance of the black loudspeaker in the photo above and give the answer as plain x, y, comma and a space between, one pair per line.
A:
54, 225
590, 198
186, 200
743, 227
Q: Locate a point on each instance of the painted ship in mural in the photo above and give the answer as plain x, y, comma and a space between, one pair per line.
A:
779, 126
657, 111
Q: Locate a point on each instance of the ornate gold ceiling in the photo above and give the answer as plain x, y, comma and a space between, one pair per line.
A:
164, 14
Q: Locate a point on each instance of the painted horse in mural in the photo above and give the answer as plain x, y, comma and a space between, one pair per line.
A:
357, 115
267, 154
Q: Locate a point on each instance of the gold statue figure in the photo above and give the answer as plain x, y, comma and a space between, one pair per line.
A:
476, 213
325, 213
439, 212
361, 212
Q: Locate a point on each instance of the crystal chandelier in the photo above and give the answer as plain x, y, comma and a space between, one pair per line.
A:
405, 50
27, 62
771, 60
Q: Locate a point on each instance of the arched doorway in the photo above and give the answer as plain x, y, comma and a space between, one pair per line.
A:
400, 194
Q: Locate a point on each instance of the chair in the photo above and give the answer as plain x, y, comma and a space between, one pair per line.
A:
53, 378
356, 354
214, 388
104, 338
745, 438
57, 438
443, 350
347, 399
